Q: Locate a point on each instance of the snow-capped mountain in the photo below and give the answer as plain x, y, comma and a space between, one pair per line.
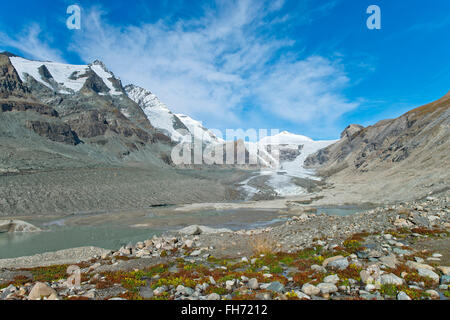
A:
289, 144
157, 112
199, 132
285, 138
286, 152
283, 151
163, 119
66, 78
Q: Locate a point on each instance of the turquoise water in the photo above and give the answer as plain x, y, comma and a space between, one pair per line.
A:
341, 211
59, 238
111, 234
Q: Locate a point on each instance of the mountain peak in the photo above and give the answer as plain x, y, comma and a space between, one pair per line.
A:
9, 54
285, 137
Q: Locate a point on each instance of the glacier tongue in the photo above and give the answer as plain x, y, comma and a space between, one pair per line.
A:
280, 178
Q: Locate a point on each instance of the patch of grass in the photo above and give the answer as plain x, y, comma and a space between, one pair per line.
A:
125, 258
415, 277
133, 284
303, 277
215, 289
162, 296
309, 252
276, 269
351, 244
352, 272
48, 274
292, 296
174, 281
389, 289
429, 232
244, 297
262, 244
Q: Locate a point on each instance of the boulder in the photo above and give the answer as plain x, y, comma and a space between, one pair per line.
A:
331, 279
276, 286
444, 270
391, 279
327, 288
428, 273
195, 230
310, 289
17, 226
301, 295
403, 296
213, 296
328, 260
253, 284
41, 290
417, 266
340, 264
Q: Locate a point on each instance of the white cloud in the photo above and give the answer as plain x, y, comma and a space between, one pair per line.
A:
32, 44
304, 91
231, 60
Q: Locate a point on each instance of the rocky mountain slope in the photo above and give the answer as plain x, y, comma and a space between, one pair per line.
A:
395, 159
72, 140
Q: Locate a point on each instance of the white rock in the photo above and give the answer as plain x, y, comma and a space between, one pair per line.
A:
229, 284
160, 290
403, 296
196, 253
444, 270
17, 226
370, 287
301, 295
428, 273
253, 284
213, 296
417, 266
331, 279
41, 290
391, 279
188, 243
327, 288
433, 294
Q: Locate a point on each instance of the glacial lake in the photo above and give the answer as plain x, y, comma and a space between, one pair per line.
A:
113, 229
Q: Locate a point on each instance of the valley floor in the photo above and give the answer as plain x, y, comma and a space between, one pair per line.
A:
99, 189
396, 251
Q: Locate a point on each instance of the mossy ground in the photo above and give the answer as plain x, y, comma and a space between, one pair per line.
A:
292, 269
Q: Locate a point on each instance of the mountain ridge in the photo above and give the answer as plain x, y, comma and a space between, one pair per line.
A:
406, 157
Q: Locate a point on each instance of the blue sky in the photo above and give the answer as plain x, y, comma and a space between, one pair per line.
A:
307, 66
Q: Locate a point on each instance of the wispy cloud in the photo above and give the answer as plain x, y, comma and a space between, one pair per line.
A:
230, 65
33, 43
214, 66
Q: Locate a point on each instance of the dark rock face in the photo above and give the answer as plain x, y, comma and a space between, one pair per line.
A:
89, 124
44, 73
351, 131
94, 83
10, 106
10, 83
54, 131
